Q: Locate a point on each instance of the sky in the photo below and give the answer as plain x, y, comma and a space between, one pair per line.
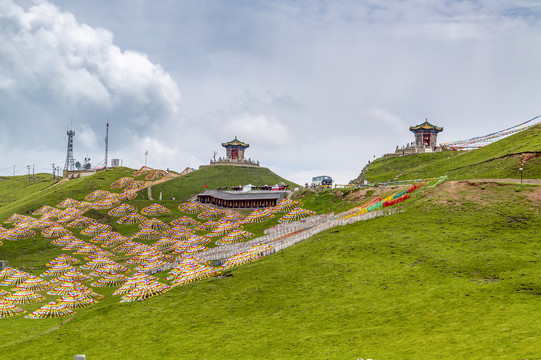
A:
315, 87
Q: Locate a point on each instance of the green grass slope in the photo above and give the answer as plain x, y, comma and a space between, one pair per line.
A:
340, 199
456, 275
26, 199
31, 255
501, 159
184, 187
13, 188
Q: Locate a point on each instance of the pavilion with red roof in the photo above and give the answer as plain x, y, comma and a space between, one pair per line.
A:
234, 154
426, 134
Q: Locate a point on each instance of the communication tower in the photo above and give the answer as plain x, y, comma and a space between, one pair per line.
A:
70, 163
106, 143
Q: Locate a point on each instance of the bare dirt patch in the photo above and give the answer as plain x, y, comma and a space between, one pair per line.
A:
453, 187
536, 196
482, 192
455, 190
372, 192
460, 191
357, 195
531, 156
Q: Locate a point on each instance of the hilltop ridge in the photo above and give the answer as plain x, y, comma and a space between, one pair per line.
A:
501, 159
19, 196
184, 187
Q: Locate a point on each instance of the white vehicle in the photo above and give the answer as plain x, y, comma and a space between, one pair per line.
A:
322, 181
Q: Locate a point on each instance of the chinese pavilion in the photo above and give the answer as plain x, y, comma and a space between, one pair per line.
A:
234, 155
426, 134
235, 149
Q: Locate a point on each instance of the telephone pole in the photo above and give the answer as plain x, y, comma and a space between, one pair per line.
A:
28, 167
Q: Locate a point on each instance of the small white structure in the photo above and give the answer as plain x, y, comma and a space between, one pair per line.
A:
247, 187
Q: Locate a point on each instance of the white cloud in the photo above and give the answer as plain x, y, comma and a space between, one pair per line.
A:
86, 137
54, 69
381, 115
264, 130
160, 155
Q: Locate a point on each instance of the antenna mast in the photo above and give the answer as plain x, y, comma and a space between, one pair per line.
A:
70, 166
106, 143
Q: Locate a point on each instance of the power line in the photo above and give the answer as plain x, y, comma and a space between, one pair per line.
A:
18, 170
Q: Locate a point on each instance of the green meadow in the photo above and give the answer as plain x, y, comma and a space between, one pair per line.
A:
455, 275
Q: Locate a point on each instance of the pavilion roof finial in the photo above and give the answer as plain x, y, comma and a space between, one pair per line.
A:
426, 126
236, 143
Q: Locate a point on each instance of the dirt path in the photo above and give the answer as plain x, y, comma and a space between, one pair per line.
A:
64, 180
514, 181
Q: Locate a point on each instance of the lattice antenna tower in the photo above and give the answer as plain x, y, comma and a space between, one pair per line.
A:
70, 163
106, 143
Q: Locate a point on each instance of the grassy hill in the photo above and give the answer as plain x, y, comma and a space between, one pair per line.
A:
17, 195
25, 198
501, 159
184, 187
13, 188
454, 276
28, 197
